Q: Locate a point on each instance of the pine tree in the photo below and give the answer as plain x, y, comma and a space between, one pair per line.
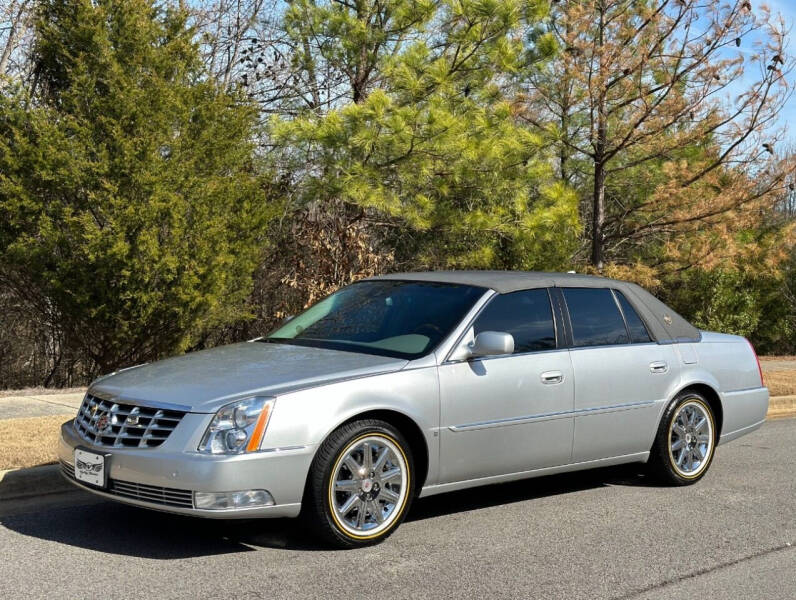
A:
132, 210
421, 139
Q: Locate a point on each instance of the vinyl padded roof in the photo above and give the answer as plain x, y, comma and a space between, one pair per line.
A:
664, 324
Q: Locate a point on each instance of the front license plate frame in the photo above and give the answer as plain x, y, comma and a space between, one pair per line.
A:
91, 468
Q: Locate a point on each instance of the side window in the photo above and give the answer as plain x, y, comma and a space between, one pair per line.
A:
638, 331
595, 316
526, 315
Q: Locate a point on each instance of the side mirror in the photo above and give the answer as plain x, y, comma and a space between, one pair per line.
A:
492, 343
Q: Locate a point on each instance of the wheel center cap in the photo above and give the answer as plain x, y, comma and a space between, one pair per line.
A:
687, 438
367, 485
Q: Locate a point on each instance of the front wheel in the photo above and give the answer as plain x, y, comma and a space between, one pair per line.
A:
686, 440
360, 484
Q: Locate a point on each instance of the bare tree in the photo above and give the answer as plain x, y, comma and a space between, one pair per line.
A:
636, 83
14, 26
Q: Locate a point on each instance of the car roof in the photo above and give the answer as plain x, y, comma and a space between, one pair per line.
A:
505, 282
664, 324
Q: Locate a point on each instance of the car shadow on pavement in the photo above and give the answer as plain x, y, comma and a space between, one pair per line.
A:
527, 489
126, 530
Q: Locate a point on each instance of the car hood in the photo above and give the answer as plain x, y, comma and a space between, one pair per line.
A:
205, 380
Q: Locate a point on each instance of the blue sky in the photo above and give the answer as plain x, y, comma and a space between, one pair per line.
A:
787, 8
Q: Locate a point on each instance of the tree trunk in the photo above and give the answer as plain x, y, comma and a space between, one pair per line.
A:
598, 216
598, 195
17, 27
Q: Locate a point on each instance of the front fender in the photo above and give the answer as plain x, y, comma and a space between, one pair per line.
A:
307, 417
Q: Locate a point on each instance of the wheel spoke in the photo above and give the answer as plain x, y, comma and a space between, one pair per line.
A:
381, 460
388, 476
677, 445
389, 494
701, 424
703, 438
347, 485
702, 451
683, 417
376, 511
681, 458
353, 466
349, 504
367, 460
362, 506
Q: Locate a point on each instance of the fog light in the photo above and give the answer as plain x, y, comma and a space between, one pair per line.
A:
225, 500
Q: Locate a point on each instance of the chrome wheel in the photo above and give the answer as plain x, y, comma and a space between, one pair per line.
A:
691, 438
369, 485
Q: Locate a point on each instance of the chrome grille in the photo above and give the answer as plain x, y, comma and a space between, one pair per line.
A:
151, 493
68, 470
138, 491
106, 423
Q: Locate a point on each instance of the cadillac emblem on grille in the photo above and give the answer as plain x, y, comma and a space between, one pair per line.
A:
104, 422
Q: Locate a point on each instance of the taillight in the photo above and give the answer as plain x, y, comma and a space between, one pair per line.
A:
759, 368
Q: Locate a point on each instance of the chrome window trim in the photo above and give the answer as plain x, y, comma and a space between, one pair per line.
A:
615, 346
617, 294
565, 307
459, 332
560, 345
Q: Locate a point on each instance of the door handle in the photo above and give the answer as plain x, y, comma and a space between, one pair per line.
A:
659, 367
551, 377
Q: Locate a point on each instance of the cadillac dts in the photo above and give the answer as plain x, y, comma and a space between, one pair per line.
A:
416, 384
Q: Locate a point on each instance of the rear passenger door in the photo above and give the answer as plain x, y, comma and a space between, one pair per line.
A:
621, 375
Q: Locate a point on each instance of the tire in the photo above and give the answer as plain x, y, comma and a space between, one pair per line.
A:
686, 441
348, 504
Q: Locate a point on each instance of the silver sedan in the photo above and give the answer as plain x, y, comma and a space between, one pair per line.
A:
416, 384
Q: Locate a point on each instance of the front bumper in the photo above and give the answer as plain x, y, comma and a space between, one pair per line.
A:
150, 477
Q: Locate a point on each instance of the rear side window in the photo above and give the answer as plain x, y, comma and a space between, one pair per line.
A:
595, 316
638, 331
526, 315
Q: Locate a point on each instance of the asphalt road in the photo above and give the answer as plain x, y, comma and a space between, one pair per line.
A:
600, 534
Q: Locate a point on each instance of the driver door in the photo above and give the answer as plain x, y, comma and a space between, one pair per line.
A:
510, 413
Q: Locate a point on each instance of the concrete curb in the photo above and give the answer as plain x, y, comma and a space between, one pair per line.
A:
34, 481
18, 484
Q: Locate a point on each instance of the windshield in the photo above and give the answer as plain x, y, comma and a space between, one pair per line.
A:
405, 319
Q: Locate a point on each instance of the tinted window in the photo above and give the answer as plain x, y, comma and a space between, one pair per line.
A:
638, 331
393, 318
525, 315
596, 320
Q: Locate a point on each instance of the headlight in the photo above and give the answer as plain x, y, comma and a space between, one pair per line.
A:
238, 427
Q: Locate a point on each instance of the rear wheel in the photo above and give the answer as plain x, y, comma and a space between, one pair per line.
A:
686, 440
360, 485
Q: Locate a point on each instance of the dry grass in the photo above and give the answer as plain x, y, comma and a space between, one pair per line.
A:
29, 442
41, 391
780, 383
765, 358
